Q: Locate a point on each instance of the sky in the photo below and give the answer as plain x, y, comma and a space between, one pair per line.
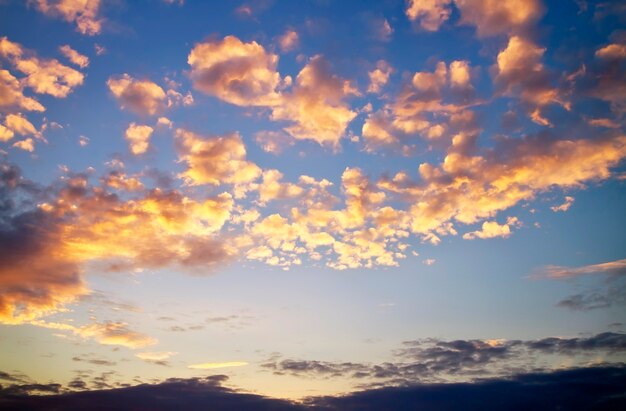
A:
311, 202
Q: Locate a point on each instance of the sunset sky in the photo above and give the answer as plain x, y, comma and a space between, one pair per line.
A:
310, 198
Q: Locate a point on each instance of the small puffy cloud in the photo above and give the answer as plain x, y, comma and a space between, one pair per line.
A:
84, 13
565, 206
491, 229
164, 122
215, 160
26, 145
74, 57
12, 95
430, 14
612, 52
239, 73
379, 76
143, 97
214, 365
44, 76
138, 137
289, 41
493, 17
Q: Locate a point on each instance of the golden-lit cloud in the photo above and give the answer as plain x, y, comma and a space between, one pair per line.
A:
245, 74
214, 365
142, 97
316, 105
5, 134
12, 96
239, 73
18, 124
215, 160
84, 13
155, 355
44, 76
430, 14
520, 71
138, 137
427, 106
491, 229
26, 145
106, 333
493, 17
74, 57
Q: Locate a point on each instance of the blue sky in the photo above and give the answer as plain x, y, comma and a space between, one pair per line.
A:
271, 190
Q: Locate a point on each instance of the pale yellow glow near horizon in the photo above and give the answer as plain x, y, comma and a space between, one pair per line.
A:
212, 365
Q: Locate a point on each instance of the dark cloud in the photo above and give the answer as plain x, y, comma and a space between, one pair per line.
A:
601, 388
173, 394
597, 388
433, 360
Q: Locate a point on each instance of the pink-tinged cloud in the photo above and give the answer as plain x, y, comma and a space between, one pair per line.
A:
617, 267
142, 97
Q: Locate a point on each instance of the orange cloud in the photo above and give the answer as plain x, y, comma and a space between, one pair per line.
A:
493, 17
74, 57
12, 95
316, 105
44, 76
491, 229
215, 161
430, 14
239, 73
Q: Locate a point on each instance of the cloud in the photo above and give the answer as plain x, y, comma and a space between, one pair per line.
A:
18, 124
35, 278
245, 74
44, 76
215, 160
491, 229
520, 71
85, 14
316, 105
138, 137
273, 141
142, 97
240, 73
612, 52
189, 393
432, 105
430, 14
12, 95
565, 206
48, 233
74, 57
156, 357
26, 145
289, 40
379, 76
493, 17
617, 268
214, 365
